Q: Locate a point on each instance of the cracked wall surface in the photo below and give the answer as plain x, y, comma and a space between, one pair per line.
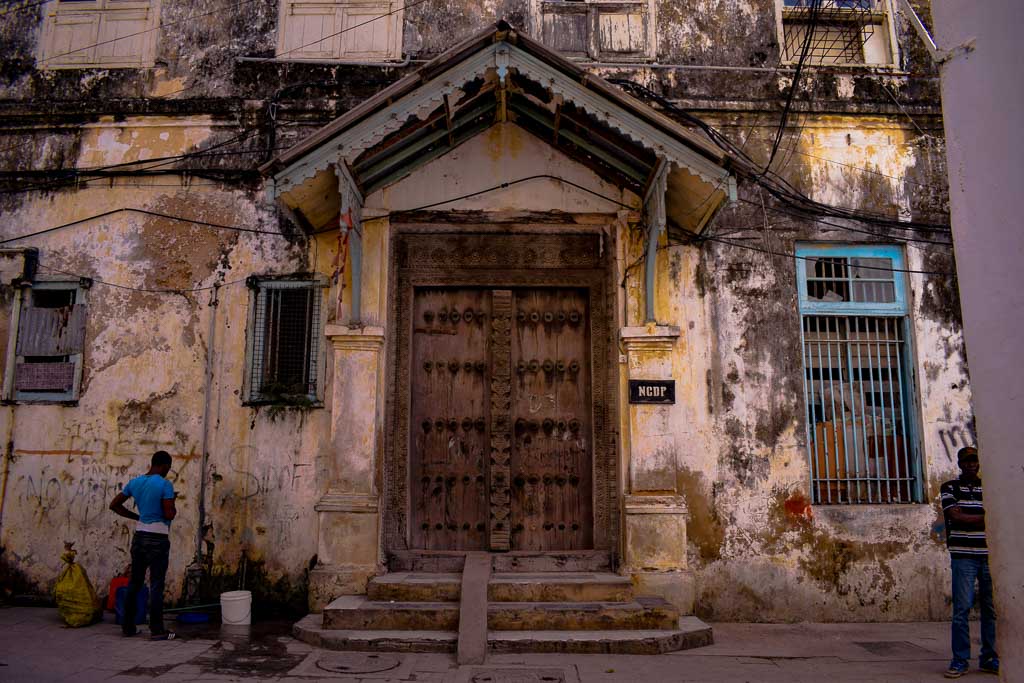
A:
867, 138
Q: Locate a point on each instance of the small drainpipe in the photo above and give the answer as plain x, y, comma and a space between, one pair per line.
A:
210, 348
653, 234
355, 241
654, 201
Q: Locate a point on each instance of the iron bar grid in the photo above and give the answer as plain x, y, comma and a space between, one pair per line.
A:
841, 29
286, 344
854, 387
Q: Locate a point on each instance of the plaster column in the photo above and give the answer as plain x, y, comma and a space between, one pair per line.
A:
349, 512
654, 512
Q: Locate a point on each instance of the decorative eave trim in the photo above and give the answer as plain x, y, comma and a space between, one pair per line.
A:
347, 146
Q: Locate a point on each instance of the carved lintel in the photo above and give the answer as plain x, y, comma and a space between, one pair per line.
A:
649, 337
501, 402
345, 338
347, 502
654, 505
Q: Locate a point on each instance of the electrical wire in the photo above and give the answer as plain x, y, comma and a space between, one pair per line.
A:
805, 50
780, 188
815, 259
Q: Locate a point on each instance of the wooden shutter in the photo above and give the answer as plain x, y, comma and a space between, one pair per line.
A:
565, 26
69, 31
125, 29
622, 29
367, 36
309, 31
51, 331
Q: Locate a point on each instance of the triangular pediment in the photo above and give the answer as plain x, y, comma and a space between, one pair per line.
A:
496, 77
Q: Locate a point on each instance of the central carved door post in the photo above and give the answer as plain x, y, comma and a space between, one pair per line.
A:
655, 513
500, 470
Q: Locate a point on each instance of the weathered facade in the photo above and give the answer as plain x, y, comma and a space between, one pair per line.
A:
204, 187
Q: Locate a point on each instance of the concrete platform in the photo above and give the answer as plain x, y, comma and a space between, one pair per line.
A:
689, 632
359, 613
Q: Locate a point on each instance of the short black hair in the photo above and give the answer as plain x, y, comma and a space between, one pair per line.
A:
161, 458
967, 453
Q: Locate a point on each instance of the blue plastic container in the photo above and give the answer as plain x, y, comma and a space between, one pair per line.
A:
142, 607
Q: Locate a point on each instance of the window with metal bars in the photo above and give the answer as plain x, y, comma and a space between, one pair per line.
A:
836, 31
284, 341
857, 375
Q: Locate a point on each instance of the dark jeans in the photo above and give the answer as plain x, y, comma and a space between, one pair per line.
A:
149, 551
966, 572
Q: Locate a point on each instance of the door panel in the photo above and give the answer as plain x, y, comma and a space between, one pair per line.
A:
551, 413
449, 417
500, 420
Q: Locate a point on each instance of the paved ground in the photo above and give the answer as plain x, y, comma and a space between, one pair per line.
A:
34, 646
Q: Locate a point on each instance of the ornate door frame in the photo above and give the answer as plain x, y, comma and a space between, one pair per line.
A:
432, 254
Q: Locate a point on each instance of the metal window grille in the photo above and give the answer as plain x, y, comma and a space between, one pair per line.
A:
285, 342
857, 376
841, 29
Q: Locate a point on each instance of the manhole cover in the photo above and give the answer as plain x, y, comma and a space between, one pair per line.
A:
356, 663
520, 676
893, 648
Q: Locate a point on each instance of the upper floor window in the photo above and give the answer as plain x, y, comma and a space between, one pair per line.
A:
284, 340
343, 30
857, 375
99, 33
600, 30
50, 342
837, 32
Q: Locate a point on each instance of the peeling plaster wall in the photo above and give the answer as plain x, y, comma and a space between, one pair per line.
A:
143, 380
757, 549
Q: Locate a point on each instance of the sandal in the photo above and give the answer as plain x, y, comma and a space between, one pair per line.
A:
170, 635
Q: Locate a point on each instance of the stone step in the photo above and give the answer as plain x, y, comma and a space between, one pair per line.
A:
641, 614
689, 632
415, 587
360, 613
440, 561
560, 587
504, 587
355, 612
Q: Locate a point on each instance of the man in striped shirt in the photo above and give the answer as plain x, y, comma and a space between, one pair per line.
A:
965, 537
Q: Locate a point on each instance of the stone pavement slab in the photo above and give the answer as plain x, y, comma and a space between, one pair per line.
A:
35, 646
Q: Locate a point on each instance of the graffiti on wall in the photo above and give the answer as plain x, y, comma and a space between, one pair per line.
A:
955, 437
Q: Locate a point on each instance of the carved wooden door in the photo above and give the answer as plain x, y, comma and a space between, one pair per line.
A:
449, 446
500, 420
551, 446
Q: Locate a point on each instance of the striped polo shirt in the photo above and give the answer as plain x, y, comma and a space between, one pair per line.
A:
963, 542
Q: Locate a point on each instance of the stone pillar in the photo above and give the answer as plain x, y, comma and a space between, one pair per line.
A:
654, 512
349, 512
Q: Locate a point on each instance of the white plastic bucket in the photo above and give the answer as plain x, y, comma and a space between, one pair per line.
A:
236, 607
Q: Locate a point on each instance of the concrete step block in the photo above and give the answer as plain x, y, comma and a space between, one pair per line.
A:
354, 612
415, 587
653, 613
560, 587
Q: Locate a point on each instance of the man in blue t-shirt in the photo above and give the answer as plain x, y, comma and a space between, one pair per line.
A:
151, 545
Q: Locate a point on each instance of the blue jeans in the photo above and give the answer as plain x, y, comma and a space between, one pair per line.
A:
966, 572
149, 551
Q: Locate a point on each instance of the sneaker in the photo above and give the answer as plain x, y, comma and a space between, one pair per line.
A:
957, 668
990, 666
